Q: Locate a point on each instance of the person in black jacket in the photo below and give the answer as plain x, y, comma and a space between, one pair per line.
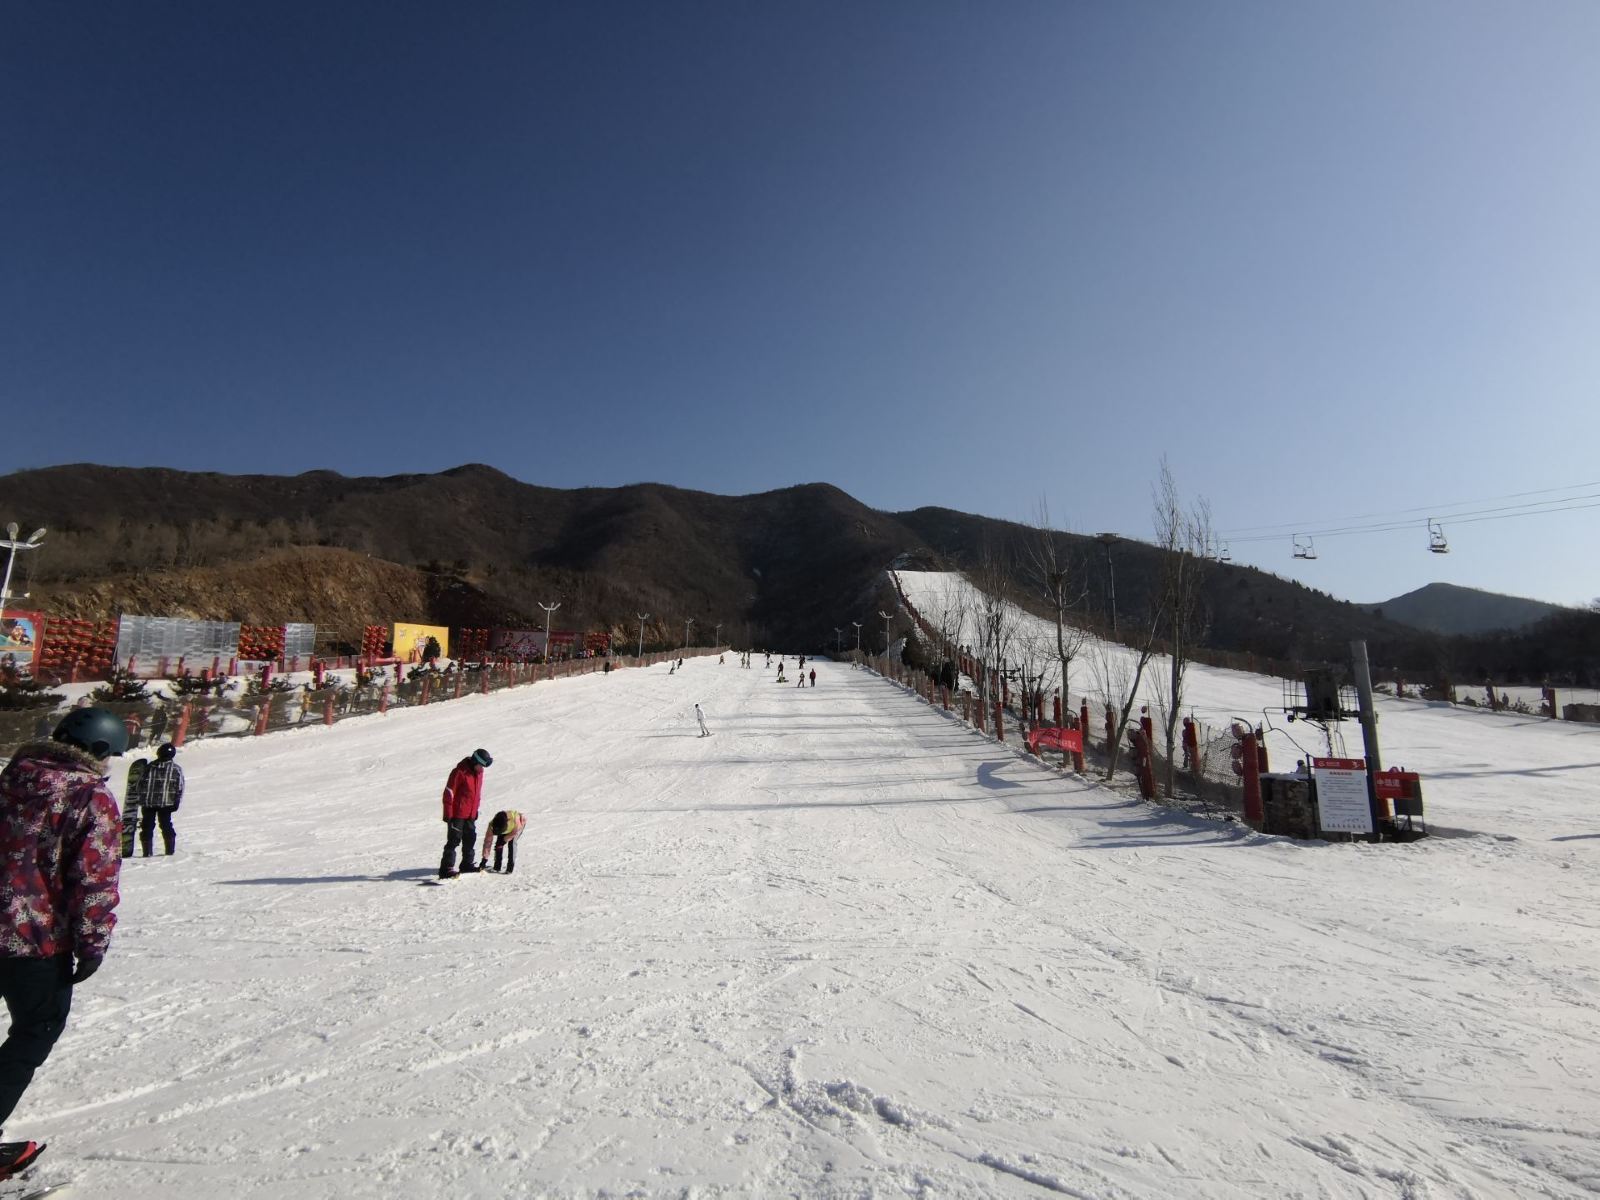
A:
161, 790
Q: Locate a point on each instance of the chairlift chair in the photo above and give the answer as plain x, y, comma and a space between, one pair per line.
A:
1304, 547
1222, 555
1436, 542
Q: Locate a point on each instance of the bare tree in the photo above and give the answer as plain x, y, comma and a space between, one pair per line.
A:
1183, 540
994, 579
945, 610
1118, 671
1055, 571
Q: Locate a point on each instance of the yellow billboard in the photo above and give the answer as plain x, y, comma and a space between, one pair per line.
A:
421, 643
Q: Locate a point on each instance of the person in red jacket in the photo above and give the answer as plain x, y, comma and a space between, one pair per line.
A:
462, 793
60, 837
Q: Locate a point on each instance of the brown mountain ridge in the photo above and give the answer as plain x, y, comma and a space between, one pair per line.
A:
473, 546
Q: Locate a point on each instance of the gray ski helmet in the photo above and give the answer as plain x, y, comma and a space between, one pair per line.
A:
482, 757
96, 730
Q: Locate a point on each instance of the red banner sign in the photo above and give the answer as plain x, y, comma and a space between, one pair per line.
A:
1055, 738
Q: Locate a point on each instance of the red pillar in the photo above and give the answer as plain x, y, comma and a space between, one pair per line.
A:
1253, 812
1261, 750
327, 710
263, 715
182, 729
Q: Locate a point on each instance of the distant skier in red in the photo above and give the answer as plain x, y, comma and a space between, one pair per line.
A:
462, 793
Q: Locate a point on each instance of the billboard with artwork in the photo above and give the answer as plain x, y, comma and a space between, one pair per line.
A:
19, 639
411, 642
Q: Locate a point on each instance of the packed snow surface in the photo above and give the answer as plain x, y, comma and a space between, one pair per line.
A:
843, 947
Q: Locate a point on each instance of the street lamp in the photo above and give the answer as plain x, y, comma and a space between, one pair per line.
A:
887, 617
548, 609
1107, 540
857, 624
836, 645
687, 622
643, 617
716, 638
10, 543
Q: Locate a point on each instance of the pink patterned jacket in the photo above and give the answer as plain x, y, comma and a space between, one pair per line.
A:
60, 842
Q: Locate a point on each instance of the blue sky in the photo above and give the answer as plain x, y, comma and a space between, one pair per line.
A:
1332, 260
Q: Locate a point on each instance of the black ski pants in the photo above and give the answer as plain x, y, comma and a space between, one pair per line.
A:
509, 847
463, 832
147, 830
38, 995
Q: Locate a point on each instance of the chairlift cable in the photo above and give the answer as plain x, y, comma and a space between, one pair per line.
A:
1436, 510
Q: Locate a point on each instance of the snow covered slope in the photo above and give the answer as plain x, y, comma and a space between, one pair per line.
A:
844, 947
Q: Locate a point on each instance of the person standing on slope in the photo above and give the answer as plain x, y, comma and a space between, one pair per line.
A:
504, 830
462, 793
162, 793
59, 865
701, 717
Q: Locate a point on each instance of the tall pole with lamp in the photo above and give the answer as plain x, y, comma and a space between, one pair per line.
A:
643, 617
887, 618
857, 624
548, 609
1108, 540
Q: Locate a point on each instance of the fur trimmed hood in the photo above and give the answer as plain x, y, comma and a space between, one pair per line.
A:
63, 753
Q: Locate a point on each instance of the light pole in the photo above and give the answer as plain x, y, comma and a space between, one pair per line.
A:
687, 622
716, 638
857, 624
548, 609
1108, 540
887, 617
643, 617
836, 644
10, 543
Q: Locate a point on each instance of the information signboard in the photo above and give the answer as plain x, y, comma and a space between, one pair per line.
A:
1342, 805
149, 639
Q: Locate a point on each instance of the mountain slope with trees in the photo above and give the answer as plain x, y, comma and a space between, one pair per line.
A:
474, 546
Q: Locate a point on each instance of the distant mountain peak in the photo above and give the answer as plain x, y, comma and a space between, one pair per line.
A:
1451, 608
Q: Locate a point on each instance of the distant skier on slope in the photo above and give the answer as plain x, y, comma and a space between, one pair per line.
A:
59, 864
505, 828
162, 793
813, 677
701, 717
462, 793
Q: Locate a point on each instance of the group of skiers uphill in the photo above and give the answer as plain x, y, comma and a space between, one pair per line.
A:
463, 793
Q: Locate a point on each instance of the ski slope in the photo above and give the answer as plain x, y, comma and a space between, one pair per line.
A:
844, 947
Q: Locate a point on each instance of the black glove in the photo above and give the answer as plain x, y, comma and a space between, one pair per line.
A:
87, 966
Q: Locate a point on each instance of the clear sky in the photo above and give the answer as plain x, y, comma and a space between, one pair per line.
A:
1331, 259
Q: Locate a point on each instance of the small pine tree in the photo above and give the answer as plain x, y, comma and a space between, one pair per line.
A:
20, 690
123, 687
186, 686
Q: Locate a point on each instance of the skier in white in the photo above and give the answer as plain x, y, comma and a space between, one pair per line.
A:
701, 717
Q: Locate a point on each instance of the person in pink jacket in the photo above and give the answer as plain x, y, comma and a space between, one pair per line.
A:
504, 830
60, 837
462, 793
